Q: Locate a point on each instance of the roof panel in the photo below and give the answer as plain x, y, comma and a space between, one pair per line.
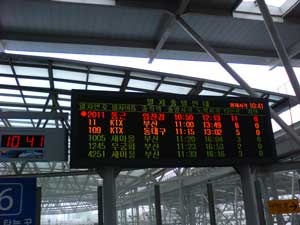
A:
173, 89
69, 75
9, 81
68, 85
31, 71
211, 93
134, 31
101, 79
142, 84
34, 82
101, 88
62, 19
5, 69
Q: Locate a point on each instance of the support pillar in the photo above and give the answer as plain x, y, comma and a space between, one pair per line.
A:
157, 205
38, 202
137, 215
109, 195
150, 206
100, 205
261, 213
249, 195
191, 210
211, 204
181, 202
125, 216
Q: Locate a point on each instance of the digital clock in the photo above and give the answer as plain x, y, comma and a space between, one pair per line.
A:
130, 130
36, 144
22, 141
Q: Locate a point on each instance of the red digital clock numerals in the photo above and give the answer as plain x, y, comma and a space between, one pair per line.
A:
212, 125
23, 141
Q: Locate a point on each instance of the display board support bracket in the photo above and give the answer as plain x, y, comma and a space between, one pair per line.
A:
109, 175
249, 194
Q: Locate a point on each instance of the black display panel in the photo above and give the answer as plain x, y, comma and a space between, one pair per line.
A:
133, 130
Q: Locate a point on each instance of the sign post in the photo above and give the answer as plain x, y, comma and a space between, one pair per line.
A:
17, 201
284, 206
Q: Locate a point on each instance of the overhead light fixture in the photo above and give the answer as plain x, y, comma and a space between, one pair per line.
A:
92, 2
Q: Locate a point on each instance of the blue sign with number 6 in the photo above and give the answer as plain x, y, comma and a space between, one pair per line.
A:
17, 200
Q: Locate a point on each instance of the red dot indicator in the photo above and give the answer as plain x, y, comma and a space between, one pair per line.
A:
83, 113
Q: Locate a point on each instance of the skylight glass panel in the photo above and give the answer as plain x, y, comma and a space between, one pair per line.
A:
50, 125
69, 75
276, 3
34, 83
12, 108
20, 122
275, 126
36, 93
8, 81
9, 91
68, 86
240, 91
145, 75
40, 101
216, 86
275, 98
181, 81
11, 99
5, 69
64, 103
135, 91
173, 89
101, 79
142, 84
61, 96
31, 71
36, 109
210, 93
101, 88
1, 124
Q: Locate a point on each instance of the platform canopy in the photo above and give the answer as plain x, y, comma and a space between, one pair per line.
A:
148, 28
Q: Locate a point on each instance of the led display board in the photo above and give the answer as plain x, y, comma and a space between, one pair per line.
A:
33, 144
134, 130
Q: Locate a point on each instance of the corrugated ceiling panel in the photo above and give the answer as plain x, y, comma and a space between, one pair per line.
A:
224, 31
78, 19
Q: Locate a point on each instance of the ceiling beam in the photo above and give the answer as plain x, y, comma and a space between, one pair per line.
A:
292, 52
143, 44
168, 28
